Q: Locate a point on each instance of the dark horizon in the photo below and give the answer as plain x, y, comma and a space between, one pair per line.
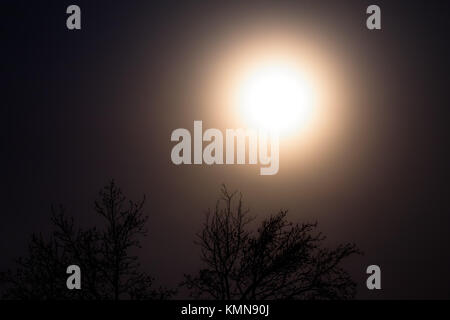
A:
80, 108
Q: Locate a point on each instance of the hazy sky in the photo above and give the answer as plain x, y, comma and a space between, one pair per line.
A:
82, 107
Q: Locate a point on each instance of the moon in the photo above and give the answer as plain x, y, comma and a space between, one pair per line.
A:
276, 96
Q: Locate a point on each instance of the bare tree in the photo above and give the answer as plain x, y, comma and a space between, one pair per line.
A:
280, 260
109, 270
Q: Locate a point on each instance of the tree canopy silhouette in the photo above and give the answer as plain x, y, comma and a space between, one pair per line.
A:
109, 270
280, 260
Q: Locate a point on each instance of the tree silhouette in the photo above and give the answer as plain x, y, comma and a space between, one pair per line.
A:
109, 270
280, 260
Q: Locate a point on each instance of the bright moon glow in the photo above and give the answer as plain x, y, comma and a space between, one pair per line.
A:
277, 97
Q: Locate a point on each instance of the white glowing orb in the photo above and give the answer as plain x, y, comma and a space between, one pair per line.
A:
276, 97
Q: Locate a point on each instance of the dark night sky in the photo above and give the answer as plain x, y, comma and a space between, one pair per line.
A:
79, 108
